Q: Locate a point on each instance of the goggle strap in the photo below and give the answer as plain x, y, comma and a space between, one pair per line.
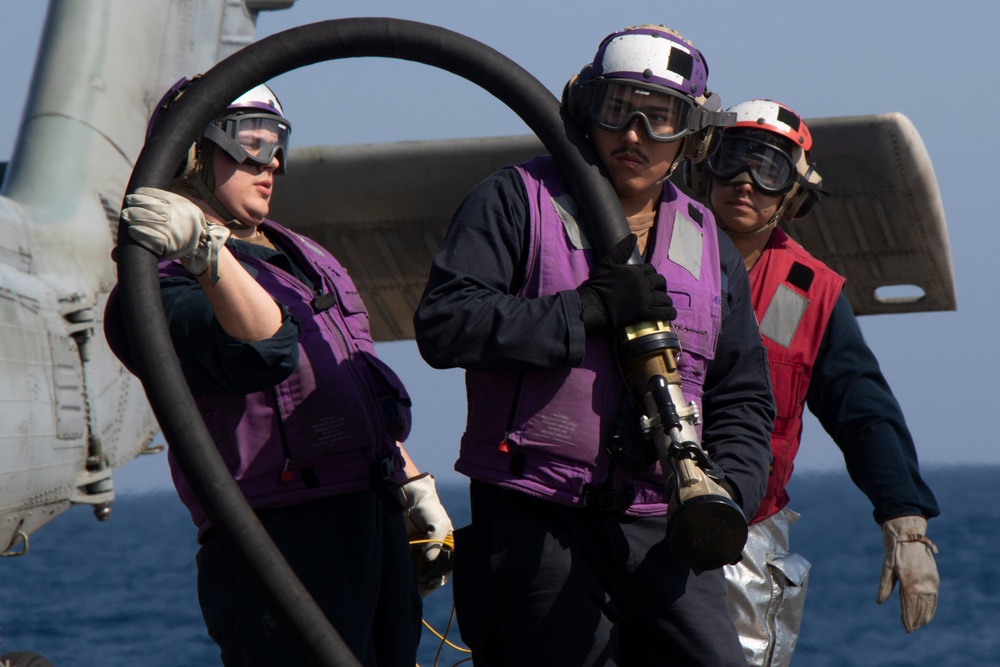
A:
222, 139
701, 118
240, 116
811, 178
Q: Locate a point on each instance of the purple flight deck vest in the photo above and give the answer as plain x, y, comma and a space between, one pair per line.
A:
545, 432
334, 422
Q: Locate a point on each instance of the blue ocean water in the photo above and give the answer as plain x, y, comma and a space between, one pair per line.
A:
122, 593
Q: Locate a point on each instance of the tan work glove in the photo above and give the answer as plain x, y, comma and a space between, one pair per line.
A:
909, 558
172, 227
430, 529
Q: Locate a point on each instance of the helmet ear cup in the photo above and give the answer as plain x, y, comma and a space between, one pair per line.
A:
190, 164
696, 178
700, 145
801, 204
805, 196
574, 97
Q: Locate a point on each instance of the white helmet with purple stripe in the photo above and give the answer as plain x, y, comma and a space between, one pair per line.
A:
654, 57
261, 98
253, 129
653, 74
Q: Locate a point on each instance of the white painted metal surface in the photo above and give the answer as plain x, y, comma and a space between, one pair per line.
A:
69, 413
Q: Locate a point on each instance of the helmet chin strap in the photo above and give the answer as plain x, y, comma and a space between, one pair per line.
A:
669, 173
746, 235
209, 197
199, 182
678, 159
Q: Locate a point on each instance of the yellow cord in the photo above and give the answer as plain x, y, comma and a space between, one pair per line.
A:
447, 544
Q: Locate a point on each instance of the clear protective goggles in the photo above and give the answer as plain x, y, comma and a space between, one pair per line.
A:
252, 137
667, 116
771, 169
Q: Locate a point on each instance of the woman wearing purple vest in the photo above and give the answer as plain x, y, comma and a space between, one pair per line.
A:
565, 561
760, 175
275, 345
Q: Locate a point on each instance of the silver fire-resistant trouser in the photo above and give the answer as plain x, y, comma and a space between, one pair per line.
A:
767, 592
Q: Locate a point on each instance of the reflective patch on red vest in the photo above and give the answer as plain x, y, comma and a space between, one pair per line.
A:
783, 315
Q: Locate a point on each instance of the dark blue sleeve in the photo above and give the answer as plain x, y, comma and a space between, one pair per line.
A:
213, 361
738, 405
852, 400
470, 315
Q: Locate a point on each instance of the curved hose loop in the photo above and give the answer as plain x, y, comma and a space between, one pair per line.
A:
180, 125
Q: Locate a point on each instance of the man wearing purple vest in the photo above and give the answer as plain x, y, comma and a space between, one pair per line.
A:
565, 561
274, 342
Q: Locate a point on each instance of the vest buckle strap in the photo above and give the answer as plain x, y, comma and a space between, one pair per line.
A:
324, 302
389, 492
384, 468
605, 499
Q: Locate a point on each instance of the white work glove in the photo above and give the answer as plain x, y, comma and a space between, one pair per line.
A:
172, 227
909, 558
427, 520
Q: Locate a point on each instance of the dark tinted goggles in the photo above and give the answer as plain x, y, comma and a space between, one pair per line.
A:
666, 116
252, 137
770, 168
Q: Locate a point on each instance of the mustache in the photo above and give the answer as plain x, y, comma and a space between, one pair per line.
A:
629, 150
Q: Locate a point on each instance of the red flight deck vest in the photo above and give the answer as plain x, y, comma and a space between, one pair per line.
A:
793, 296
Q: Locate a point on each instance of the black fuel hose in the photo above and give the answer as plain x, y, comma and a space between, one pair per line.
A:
179, 126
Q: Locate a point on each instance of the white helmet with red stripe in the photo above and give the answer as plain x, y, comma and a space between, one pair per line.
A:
768, 146
773, 117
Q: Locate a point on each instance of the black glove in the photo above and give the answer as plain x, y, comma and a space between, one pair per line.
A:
618, 294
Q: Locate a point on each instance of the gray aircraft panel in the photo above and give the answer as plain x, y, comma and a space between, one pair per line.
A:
882, 224
382, 210
70, 414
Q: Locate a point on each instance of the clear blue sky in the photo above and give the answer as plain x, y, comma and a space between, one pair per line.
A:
932, 62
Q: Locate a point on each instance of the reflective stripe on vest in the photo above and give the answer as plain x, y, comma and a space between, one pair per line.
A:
783, 316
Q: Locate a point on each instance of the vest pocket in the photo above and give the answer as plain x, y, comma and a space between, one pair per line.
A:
354, 312
393, 400
785, 380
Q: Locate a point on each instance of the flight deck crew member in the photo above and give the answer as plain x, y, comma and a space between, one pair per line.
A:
761, 174
274, 342
566, 562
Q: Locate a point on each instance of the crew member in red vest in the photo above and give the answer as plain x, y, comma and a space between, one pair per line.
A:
760, 175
